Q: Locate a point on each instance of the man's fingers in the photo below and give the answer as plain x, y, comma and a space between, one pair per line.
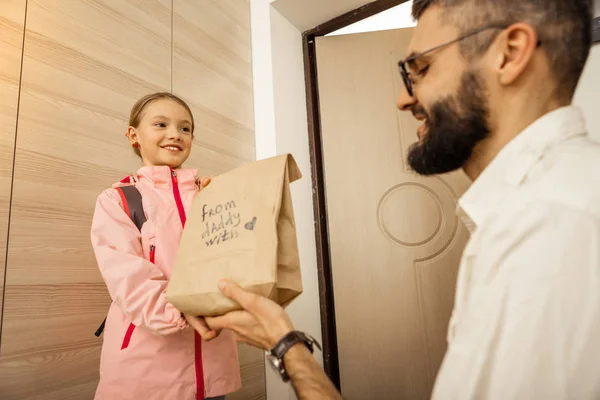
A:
218, 322
235, 321
201, 327
194, 322
245, 299
209, 336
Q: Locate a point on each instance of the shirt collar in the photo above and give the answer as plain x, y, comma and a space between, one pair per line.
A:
511, 166
161, 177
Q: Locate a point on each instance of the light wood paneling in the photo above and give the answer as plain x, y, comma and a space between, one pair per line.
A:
12, 16
212, 65
213, 71
85, 64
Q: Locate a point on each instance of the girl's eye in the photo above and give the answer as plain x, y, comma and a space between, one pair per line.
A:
186, 130
160, 124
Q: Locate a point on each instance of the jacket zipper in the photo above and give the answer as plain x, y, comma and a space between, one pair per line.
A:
200, 389
152, 253
177, 197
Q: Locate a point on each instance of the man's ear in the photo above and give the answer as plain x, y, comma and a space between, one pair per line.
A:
518, 44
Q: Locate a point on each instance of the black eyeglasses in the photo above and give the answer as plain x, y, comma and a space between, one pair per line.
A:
406, 75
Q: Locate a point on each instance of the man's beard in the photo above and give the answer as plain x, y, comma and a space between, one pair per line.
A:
454, 127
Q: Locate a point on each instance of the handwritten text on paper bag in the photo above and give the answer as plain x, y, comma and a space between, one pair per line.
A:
221, 222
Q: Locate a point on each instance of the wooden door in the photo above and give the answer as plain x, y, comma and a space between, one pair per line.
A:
395, 239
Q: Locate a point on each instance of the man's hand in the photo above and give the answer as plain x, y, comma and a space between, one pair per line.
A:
200, 326
262, 323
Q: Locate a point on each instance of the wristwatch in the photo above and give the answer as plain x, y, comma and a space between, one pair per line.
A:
276, 354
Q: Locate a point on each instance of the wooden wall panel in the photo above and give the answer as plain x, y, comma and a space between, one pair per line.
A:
12, 16
85, 64
212, 71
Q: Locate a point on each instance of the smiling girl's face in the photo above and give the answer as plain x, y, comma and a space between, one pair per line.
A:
164, 133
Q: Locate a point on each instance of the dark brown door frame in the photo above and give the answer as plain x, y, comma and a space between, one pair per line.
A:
596, 30
327, 305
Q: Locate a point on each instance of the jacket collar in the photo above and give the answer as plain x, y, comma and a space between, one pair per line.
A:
163, 177
512, 165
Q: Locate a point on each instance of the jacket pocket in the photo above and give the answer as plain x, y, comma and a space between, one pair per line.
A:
131, 326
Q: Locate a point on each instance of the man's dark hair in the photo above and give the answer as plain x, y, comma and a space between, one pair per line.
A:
563, 26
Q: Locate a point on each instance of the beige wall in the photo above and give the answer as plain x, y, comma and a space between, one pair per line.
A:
212, 70
84, 65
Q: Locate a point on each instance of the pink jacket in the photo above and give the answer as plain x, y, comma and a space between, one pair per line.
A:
149, 352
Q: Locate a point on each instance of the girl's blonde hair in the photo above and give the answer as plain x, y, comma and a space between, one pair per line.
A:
137, 111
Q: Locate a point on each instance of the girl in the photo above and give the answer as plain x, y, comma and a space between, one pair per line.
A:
149, 352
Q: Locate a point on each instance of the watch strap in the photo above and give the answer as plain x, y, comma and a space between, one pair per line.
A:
278, 351
289, 341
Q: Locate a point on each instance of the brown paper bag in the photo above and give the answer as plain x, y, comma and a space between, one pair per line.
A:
241, 227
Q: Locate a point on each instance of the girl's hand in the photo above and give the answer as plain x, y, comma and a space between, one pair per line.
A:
202, 182
200, 326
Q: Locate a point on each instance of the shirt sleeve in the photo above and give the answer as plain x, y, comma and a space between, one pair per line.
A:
532, 326
135, 284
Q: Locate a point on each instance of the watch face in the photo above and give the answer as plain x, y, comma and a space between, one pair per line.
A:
274, 362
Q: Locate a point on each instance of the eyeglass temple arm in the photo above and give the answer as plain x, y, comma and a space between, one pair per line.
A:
415, 56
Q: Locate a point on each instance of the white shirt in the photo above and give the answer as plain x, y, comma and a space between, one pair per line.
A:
526, 319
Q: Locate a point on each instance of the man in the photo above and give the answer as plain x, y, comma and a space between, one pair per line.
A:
526, 321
